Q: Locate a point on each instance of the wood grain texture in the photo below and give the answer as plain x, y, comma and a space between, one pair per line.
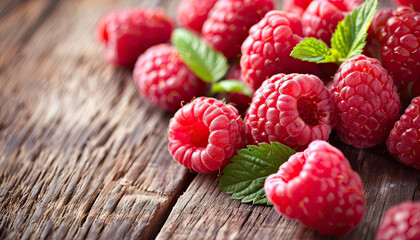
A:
82, 155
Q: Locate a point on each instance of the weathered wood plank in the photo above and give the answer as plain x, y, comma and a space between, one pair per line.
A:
81, 154
204, 211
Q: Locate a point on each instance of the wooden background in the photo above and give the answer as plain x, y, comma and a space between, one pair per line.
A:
82, 155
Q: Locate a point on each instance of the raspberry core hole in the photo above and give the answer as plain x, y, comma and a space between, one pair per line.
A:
307, 111
199, 134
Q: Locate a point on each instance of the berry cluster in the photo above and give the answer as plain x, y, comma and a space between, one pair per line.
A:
278, 57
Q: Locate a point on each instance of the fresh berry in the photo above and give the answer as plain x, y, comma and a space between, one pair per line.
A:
164, 79
319, 188
404, 141
414, 4
321, 17
239, 100
125, 34
229, 21
366, 102
401, 222
398, 33
205, 134
296, 6
415, 91
192, 13
267, 49
293, 109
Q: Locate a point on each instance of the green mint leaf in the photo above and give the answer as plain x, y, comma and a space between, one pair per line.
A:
349, 38
229, 86
208, 64
244, 177
313, 50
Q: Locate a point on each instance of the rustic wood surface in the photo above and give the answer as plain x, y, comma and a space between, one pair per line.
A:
82, 155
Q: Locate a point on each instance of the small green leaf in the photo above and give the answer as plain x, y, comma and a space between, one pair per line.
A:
313, 50
349, 38
244, 178
229, 86
204, 61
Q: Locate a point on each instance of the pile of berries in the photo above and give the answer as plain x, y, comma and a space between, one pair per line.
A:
291, 102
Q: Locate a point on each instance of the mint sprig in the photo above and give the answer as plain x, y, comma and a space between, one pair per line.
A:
229, 85
244, 178
351, 33
208, 64
348, 40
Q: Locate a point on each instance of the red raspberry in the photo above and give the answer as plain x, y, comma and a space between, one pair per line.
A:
319, 188
404, 140
293, 109
192, 13
366, 102
415, 91
267, 49
321, 17
414, 4
125, 34
401, 222
205, 134
164, 79
239, 100
229, 21
296, 6
398, 32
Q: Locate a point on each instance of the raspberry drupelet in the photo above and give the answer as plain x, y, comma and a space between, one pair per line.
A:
366, 101
164, 80
404, 141
124, 35
319, 188
205, 134
291, 109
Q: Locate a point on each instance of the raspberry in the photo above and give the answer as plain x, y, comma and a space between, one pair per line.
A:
291, 109
319, 188
321, 17
414, 4
164, 79
125, 34
415, 91
267, 49
401, 222
205, 134
366, 102
229, 21
192, 13
239, 100
404, 140
296, 6
398, 33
